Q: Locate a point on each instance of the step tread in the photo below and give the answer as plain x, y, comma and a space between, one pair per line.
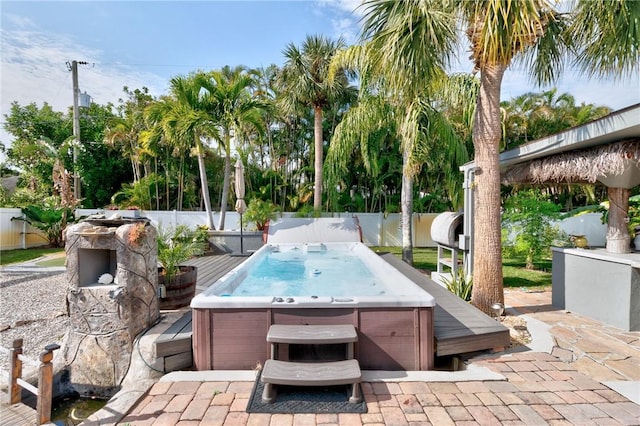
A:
311, 374
312, 334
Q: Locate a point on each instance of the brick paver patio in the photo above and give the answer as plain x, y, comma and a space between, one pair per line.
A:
561, 388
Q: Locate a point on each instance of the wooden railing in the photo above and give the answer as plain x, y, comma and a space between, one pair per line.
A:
44, 391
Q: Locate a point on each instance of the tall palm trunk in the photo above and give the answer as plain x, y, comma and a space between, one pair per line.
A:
618, 238
318, 146
406, 201
487, 263
224, 199
166, 184
204, 184
180, 202
155, 161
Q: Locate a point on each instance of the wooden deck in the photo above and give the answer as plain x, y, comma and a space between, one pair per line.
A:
212, 268
459, 327
17, 415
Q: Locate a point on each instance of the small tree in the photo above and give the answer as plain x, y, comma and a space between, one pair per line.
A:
527, 224
260, 212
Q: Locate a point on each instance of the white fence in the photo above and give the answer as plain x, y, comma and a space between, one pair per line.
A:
377, 229
16, 234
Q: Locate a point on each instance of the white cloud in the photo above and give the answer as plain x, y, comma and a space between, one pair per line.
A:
615, 94
19, 21
346, 28
33, 69
349, 6
344, 16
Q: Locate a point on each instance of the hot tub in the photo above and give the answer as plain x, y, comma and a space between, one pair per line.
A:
327, 283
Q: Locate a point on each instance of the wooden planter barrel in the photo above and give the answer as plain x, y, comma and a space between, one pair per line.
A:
180, 292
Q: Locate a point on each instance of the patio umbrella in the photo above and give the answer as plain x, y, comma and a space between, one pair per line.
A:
241, 206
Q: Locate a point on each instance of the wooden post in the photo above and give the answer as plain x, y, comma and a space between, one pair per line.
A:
15, 372
45, 384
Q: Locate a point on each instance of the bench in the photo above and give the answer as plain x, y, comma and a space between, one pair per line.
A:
276, 372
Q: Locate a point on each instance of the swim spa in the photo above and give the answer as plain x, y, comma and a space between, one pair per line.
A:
315, 284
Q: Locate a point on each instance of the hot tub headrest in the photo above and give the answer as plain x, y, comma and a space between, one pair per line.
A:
317, 230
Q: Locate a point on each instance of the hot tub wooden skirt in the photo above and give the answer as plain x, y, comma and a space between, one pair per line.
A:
399, 338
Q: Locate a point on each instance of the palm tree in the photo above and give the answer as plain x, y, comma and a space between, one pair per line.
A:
382, 114
533, 116
419, 32
607, 37
234, 109
500, 32
305, 83
124, 130
185, 120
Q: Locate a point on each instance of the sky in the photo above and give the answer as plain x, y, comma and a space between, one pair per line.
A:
145, 43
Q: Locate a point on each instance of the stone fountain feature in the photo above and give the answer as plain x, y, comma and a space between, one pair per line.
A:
112, 298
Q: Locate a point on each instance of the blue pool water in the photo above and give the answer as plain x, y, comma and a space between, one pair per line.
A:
299, 273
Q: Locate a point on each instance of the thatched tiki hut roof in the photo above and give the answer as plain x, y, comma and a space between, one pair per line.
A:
605, 150
603, 163
617, 165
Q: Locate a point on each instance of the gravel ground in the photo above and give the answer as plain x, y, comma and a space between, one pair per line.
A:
33, 306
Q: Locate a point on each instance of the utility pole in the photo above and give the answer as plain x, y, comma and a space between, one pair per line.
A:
73, 67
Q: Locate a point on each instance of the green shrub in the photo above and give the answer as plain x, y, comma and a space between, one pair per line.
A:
459, 285
260, 212
50, 220
527, 229
175, 246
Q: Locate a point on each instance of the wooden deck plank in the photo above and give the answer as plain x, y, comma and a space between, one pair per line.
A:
459, 326
212, 268
176, 339
17, 415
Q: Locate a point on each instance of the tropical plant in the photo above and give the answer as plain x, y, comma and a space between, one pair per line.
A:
260, 212
459, 285
50, 220
634, 215
528, 228
235, 111
124, 131
136, 193
184, 119
175, 246
532, 116
500, 32
101, 169
305, 83
388, 68
29, 124
633, 223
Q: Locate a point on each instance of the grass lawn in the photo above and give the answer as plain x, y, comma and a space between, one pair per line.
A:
515, 274
24, 255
